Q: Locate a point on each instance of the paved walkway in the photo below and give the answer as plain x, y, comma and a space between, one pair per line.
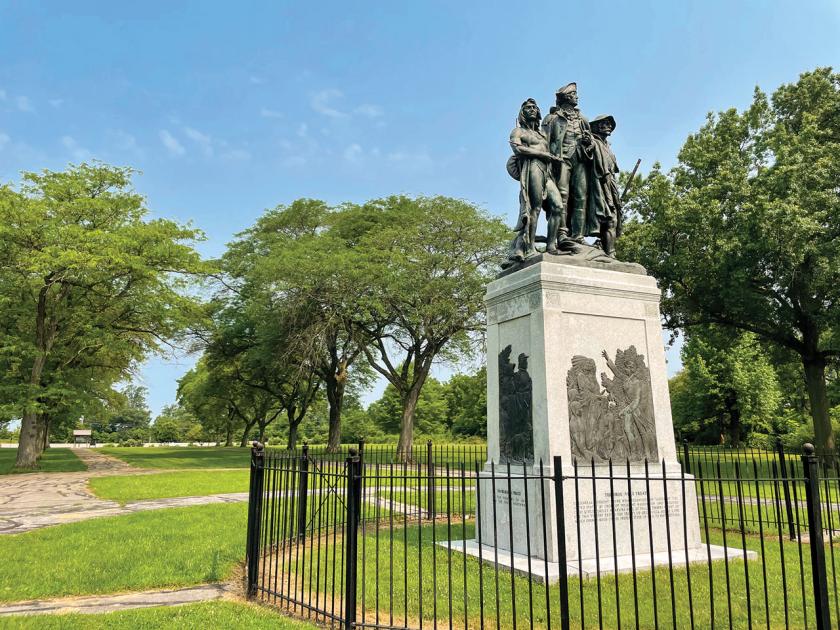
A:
109, 603
32, 501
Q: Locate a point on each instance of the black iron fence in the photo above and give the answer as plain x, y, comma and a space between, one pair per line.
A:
367, 541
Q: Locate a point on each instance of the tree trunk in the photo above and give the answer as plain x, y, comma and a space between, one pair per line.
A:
45, 433
229, 435
263, 425
293, 433
248, 427
814, 365
30, 445
407, 425
335, 397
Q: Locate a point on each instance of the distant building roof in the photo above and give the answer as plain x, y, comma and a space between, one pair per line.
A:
82, 432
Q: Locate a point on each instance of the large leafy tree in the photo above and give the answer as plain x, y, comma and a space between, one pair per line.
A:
745, 231
292, 255
419, 266
728, 390
215, 398
89, 283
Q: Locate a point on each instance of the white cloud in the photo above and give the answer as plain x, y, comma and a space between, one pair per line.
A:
56, 102
23, 104
171, 143
323, 103
353, 153
78, 152
202, 140
265, 112
4, 140
303, 130
256, 80
369, 110
2, 95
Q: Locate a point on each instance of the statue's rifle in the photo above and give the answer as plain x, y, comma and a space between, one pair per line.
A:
620, 218
630, 181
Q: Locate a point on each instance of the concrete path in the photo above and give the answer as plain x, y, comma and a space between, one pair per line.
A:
95, 604
32, 501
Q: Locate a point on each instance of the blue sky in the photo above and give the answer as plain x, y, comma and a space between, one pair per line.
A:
228, 109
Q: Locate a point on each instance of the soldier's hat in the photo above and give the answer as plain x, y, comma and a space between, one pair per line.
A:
522, 355
601, 118
571, 87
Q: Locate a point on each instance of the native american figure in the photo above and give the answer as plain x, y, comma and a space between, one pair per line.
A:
516, 426
616, 423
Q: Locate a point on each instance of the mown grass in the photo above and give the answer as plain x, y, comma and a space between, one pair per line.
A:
182, 456
221, 615
162, 548
403, 575
53, 460
189, 483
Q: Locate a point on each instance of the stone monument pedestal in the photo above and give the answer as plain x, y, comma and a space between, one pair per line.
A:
576, 369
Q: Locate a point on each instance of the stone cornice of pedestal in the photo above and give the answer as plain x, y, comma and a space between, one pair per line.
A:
556, 276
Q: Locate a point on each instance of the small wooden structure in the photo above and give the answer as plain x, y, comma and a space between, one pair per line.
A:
83, 436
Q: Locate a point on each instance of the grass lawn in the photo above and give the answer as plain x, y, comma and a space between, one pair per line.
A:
218, 615
53, 460
415, 578
182, 456
161, 548
190, 483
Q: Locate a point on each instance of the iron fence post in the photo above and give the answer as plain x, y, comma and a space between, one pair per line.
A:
255, 499
561, 542
686, 461
430, 492
818, 568
303, 491
780, 453
354, 495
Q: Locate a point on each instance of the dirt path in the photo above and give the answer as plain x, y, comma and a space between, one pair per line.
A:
95, 604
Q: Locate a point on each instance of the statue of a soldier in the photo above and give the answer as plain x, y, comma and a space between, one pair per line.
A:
530, 164
604, 197
570, 139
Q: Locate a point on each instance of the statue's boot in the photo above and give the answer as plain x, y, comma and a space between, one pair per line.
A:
576, 224
608, 239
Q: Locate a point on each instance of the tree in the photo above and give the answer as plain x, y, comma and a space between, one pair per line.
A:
292, 253
213, 397
177, 424
90, 284
466, 396
728, 390
745, 231
431, 412
420, 267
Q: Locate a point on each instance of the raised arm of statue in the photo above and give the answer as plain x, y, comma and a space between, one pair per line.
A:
610, 364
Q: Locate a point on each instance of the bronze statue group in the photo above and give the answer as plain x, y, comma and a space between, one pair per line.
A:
566, 167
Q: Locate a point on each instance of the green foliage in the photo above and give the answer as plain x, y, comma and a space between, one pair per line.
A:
90, 286
431, 414
466, 397
176, 424
743, 232
728, 389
